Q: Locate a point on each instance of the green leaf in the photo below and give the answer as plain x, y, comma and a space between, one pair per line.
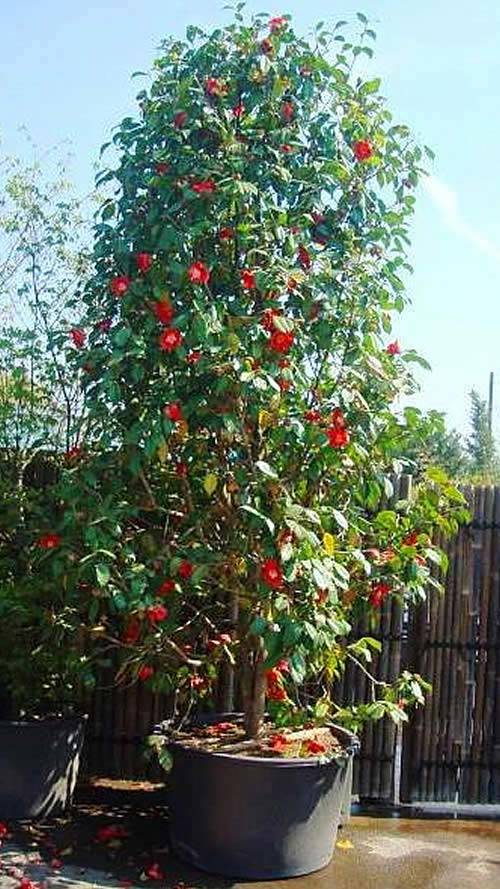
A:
259, 515
103, 574
266, 469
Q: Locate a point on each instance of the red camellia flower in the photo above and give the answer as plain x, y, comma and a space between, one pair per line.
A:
194, 357
154, 872
338, 436
215, 87
164, 311
145, 672
277, 23
219, 728
279, 743
73, 454
362, 150
276, 693
226, 233
378, 594
185, 569
394, 348
239, 109
204, 186
166, 587
315, 747
132, 631
304, 258
338, 419
312, 416
144, 261
111, 832
247, 278
287, 111
161, 168
271, 573
197, 681
268, 317
156, 613
120, 285
170, 339
173, 412
281, 341
78, 336
180, 119
198, 273
49, 541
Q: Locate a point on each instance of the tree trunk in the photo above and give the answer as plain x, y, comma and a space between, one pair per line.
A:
254, 692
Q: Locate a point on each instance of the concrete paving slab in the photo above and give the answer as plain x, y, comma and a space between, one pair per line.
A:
371, 853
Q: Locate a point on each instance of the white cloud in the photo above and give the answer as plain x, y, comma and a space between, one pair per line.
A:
446, 201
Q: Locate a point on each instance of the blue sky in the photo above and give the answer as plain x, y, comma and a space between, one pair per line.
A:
65, 74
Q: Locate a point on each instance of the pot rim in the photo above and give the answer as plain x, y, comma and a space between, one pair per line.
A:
43, 720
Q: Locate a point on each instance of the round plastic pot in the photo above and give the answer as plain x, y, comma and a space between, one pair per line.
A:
39, 764
256, 818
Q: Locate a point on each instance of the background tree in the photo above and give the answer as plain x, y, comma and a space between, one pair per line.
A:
422, 440
43, 233
481, 443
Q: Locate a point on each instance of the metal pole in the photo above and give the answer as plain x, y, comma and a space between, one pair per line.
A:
490, 403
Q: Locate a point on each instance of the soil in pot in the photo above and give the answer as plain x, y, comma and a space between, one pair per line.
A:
264, 809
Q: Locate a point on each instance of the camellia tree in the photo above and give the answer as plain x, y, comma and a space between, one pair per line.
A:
226, 520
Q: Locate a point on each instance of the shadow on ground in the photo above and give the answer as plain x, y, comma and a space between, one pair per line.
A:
372, 853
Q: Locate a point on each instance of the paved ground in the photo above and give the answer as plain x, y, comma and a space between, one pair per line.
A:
372, 853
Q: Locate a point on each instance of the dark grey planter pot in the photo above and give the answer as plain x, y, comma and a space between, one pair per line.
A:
39, 763
256, 818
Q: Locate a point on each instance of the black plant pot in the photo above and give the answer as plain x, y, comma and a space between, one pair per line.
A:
254, 818
39, 763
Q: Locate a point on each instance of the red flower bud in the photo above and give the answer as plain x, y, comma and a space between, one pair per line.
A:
164, 311
173, 412
198, 273
204, 186
120, 285
247, 278
180, 119
394, 348
49, 541
144, 261
145, 673
166, 587
271, 573
156, 613
78, 336
185, 569
362, 150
